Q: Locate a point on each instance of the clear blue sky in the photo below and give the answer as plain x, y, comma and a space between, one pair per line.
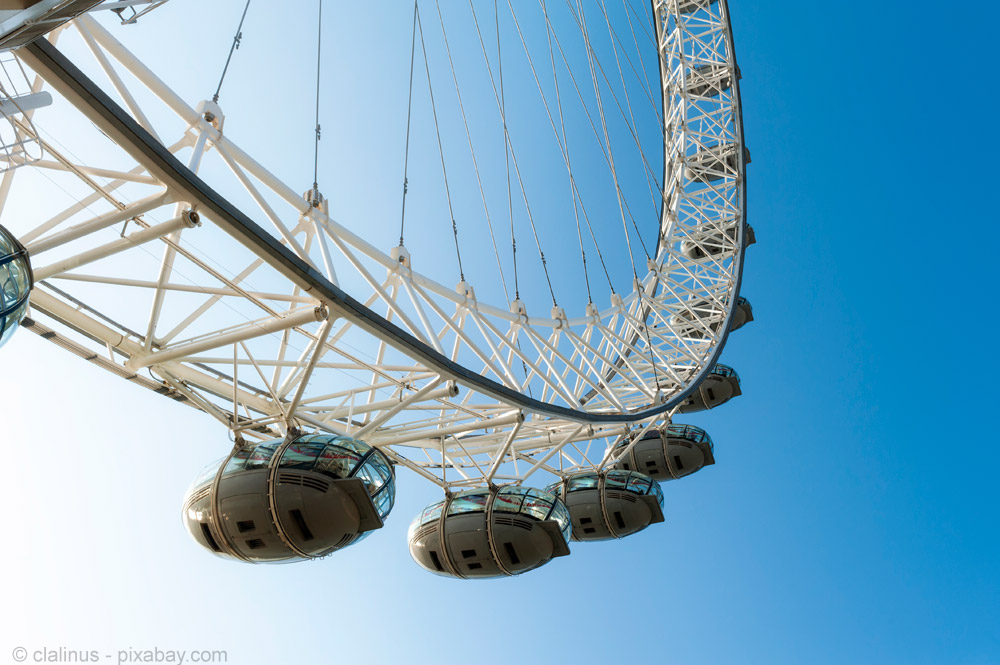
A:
851, 516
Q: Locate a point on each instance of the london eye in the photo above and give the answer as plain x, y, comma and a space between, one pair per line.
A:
553, 294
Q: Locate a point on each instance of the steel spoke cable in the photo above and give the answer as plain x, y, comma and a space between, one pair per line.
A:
593, 126
604, 127
639, 291
319, 47
576, 191
632, 130
628, 103
437, 130
642, 61
475, 162
507, 151
237, 38
499, 97
644, 81
565, 147
650, 30
409, 115
560, 140
506, 139
517, 169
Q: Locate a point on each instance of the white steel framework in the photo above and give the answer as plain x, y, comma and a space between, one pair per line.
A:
311, 326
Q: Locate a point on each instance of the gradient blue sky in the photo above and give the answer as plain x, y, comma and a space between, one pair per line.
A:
852, 515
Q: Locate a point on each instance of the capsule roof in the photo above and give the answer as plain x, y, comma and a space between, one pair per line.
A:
537, 504
689, 433
725, 371
628, 481
333, 456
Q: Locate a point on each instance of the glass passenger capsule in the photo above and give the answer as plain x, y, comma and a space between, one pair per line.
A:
16, 281
713, 243
490, 532
715, 162
668, 454
609, 504
290, 499
708, 80
689, 6
702, 318
721, 385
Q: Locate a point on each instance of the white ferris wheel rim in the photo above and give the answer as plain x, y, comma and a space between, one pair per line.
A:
44, 57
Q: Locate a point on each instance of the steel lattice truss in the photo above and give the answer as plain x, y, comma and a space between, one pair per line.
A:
186, 295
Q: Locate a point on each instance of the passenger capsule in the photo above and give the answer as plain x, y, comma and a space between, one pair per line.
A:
291, 499
721, 385
689, 6
708, 80
701, 318
490, 532
714, 243
16, 281
610, 504
714, 163
675, 452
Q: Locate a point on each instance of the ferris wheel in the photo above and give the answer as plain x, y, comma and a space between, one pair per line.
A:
535, 383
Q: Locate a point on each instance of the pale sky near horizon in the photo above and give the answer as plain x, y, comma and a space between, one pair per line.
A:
851, 516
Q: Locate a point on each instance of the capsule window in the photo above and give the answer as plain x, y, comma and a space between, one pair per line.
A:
207, 533
511, 553
300, 522
436, 561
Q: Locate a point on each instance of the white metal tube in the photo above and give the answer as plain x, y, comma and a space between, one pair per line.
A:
116, 81
295, 319
503, 451
188, 219
100, 222
424, 393
60, 310
486, 423
145, 74
169, 253
556, 448
307, 373
95, 171
407, 403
